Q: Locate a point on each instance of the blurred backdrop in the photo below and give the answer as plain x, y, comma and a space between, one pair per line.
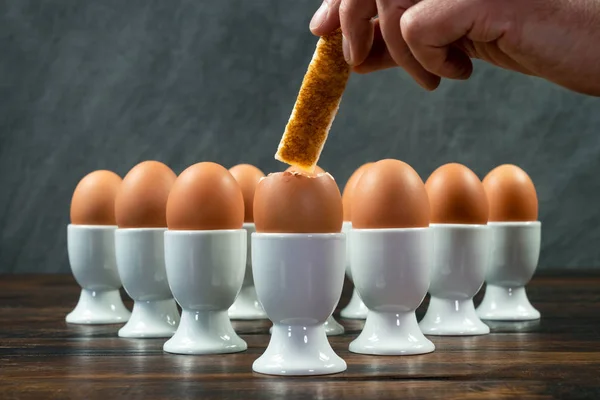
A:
110, 83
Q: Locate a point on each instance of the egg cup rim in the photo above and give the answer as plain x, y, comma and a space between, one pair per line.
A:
515, 223
92, 227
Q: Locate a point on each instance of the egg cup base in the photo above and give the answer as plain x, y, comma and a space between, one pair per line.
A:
506, 304
299, 351
247, 306
99, 307
355, 309
389, 333
151, 319
205, 332
451, 317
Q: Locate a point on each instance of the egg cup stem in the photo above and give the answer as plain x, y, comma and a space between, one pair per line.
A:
391, 333
151, 319
205, 332
506, 304
99, 307
452, 317
355, 309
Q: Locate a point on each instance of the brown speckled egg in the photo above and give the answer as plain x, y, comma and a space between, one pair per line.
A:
205, 197
349, 190
292, 202
93, 201
456, 196
389, 194
318, 170
142, 198
247, 176
511, 194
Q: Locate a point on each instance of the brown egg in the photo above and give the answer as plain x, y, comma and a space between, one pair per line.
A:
247, 176
511, 194
349, 191
93, 201
142, 198
389, 194
318, 170
205, 197
292, 202
456, 196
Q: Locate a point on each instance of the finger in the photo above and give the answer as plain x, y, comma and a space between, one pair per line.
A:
355, 20
326, 19
379, 57
492, 53
390, 12
431, 27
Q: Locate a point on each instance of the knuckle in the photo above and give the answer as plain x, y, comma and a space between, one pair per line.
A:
410, 27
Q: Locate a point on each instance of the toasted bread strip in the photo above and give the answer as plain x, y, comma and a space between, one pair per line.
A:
316, 105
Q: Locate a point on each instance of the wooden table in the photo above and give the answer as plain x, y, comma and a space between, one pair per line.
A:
43, 357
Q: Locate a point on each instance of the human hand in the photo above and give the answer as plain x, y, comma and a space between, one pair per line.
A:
553, 39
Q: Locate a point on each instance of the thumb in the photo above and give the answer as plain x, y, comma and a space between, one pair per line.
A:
327, 18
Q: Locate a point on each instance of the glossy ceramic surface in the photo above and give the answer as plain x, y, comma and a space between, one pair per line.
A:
141, 263
91, 251
299, 280
391, 270
246, 305
205, 270
332, 327
355, 309
460, 259
514, 255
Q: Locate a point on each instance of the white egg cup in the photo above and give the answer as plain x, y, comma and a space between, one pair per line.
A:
205, 270
391, 269
246, 305
141, 261
460, 260
515, 251
356, 308
299, 279
91, 250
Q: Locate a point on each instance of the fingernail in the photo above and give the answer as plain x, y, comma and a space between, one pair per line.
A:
346, 50
320, 16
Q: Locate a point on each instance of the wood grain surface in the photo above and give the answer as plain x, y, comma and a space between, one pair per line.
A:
41, 356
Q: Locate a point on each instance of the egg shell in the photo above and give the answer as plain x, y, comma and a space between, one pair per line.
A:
292, 202
142, 198
205, 197
247, 176
93, 201
318, 170
390, 194
456, 196
511, 195
349, 190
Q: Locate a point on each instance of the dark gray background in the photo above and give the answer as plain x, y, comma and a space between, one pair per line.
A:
97, 84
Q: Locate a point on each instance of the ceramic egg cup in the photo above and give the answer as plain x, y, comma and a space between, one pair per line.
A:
205, 270
299, 279
246, 305
460, 259
141, 263
91, 250
355, 309
391, 270
515, 251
